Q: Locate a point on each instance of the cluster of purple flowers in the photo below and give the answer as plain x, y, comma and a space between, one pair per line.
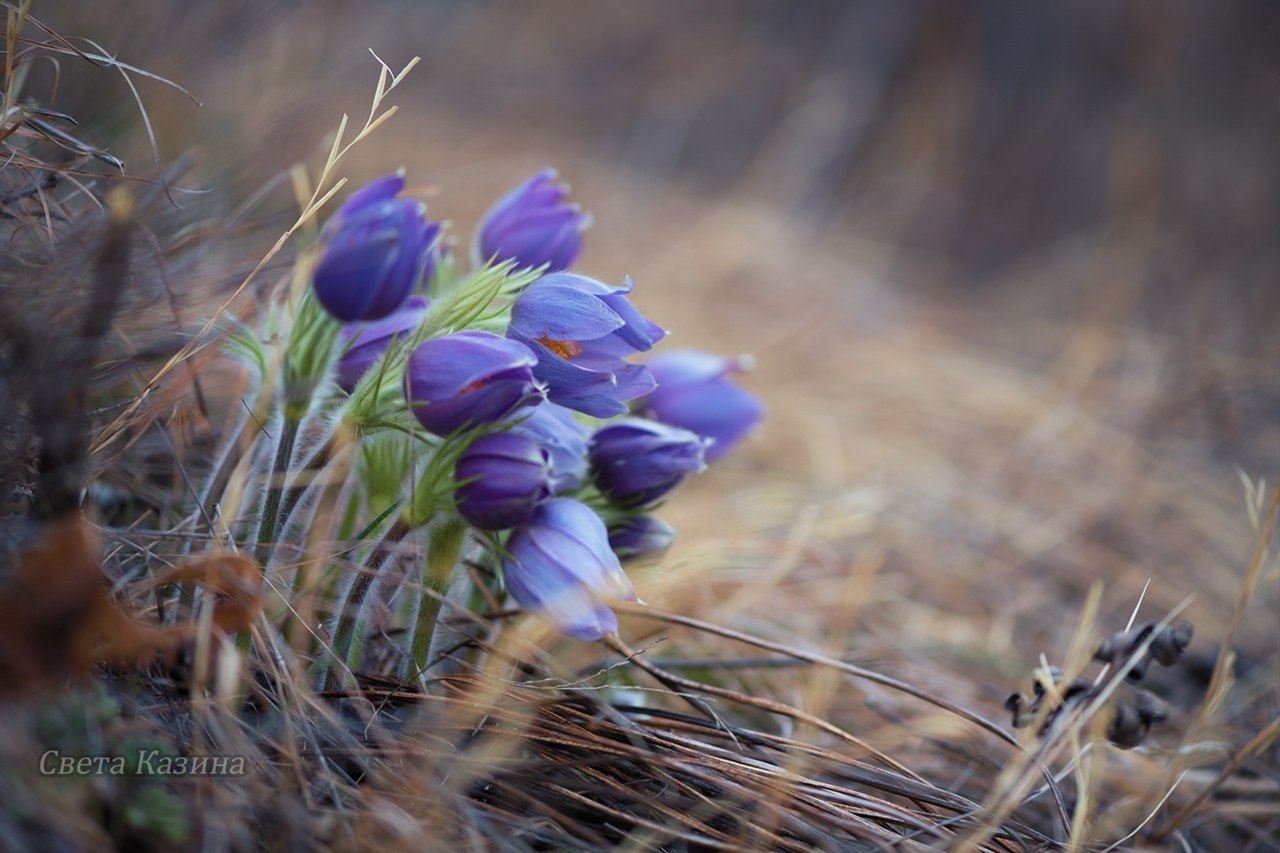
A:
546, 458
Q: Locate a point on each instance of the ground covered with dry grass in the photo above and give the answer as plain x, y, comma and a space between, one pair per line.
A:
1013, 314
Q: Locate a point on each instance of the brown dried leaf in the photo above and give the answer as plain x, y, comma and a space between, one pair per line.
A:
58, 620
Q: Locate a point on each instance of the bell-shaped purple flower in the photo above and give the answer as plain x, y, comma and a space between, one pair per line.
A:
377, 248
636, 461
581, 330
362, 344
469, 379
533, 226
556, 430
560, 564
503, 478
695, 392
641, 536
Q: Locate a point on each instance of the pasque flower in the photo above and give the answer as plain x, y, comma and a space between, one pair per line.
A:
503, 477
695, 392
362, 344
641, 536
377, 247
469, 379
636, 461
560, 564
581, 329
533, 226
556, 430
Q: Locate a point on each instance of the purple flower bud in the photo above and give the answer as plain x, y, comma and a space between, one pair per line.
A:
556, 430
377, 248
561, 565
504, 477
635, 461
694, 392
641, 536
581, 330
469, 379
375, 192
533, 226
362, 344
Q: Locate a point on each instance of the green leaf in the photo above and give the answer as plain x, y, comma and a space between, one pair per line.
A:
483, 297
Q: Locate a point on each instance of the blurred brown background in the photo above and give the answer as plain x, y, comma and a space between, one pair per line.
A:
1010, 270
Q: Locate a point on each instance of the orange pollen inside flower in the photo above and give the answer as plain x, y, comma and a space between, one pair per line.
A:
475, 386
564, 349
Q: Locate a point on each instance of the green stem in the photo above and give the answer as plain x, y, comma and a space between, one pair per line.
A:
463, 595
215, 486
232, 451
306, 575
442, 564
345, 647
305, 359
311, 469
270, 516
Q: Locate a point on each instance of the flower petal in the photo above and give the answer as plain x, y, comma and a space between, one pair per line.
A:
559, 310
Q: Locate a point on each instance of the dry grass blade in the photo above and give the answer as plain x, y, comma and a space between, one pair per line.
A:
674, 777
775, 707
1262, 741
859, 672
823, 660
318, 197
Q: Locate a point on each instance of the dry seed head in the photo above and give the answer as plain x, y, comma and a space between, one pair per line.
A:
1131, 718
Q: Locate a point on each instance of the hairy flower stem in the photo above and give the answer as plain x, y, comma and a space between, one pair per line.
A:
325, 472
345, 648
270, 516
240, 439
305, 360
239, 442
342, 439
463, 595
297, 628
439, 571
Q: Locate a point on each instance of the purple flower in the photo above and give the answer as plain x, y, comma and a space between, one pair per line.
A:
641, 536
364, 343
533, 226
636, 461
377, 248
469, 379
694, 392
561, 565
503, 479
557, 431
581, 330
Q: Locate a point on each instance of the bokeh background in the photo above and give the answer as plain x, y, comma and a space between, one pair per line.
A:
1010, 273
